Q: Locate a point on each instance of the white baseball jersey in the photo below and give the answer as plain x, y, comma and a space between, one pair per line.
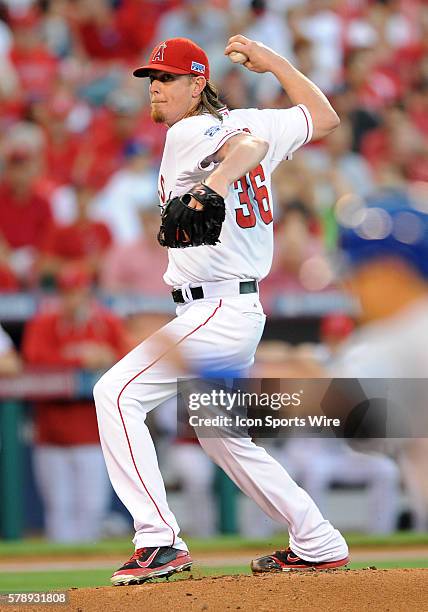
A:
246, 240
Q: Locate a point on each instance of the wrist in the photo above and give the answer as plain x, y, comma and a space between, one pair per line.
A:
219, 183
280, 66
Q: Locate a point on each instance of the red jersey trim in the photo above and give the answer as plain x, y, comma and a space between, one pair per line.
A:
307, 124
226, 137
123, 421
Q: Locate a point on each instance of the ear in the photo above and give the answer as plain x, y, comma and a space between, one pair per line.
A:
199, 83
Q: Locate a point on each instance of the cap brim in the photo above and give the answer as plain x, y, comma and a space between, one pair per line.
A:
144, 70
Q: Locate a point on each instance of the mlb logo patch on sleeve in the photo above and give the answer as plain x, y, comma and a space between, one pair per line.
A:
197, 67
212, 130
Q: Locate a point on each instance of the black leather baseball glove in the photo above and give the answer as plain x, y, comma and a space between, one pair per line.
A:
182, 226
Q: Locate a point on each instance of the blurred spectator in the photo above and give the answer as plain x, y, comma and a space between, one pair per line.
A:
234, 88
129, 192
9, 85
103, 150
259, 22
196, 485
36, 66
317, 21
374, 82
10, 362
9, 281
55, 27
11, 102
108, 31
397, 141
417, 106
293, 182
25, 215
198, 20
6, 36
303, 50
300, 260
339, 464
62, 144
83, 242
336, 169
385, 25
68, 462
138, 266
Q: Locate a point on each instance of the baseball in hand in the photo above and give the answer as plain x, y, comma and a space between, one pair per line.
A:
237, 57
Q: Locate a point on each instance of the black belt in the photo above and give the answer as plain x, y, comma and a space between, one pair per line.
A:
197, 293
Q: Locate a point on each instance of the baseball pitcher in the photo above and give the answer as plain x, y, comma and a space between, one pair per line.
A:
217, 224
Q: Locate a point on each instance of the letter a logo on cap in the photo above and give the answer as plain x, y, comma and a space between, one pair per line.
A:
158, 54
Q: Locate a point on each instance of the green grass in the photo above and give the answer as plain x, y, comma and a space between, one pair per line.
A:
59, 580
415, 563
39, 581
39, 547
46, 581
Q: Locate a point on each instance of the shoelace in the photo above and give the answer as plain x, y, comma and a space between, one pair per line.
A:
137, 554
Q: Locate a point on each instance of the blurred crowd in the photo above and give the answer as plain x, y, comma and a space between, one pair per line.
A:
78, 189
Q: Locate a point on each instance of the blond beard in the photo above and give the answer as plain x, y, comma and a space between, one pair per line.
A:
157, 115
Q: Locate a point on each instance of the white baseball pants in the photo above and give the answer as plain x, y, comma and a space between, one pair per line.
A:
214, 334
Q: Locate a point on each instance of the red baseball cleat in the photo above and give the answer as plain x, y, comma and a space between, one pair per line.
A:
152, 562
287, 560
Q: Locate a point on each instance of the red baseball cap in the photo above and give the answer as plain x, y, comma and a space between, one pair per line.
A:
178, 56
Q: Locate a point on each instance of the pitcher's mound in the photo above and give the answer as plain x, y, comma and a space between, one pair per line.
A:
351, 590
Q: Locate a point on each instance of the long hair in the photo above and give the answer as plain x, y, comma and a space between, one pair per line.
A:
210, 102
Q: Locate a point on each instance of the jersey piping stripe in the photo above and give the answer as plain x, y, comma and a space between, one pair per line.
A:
226, 137
307, 124
123, 421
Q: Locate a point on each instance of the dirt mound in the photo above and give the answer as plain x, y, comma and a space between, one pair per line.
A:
351, 590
